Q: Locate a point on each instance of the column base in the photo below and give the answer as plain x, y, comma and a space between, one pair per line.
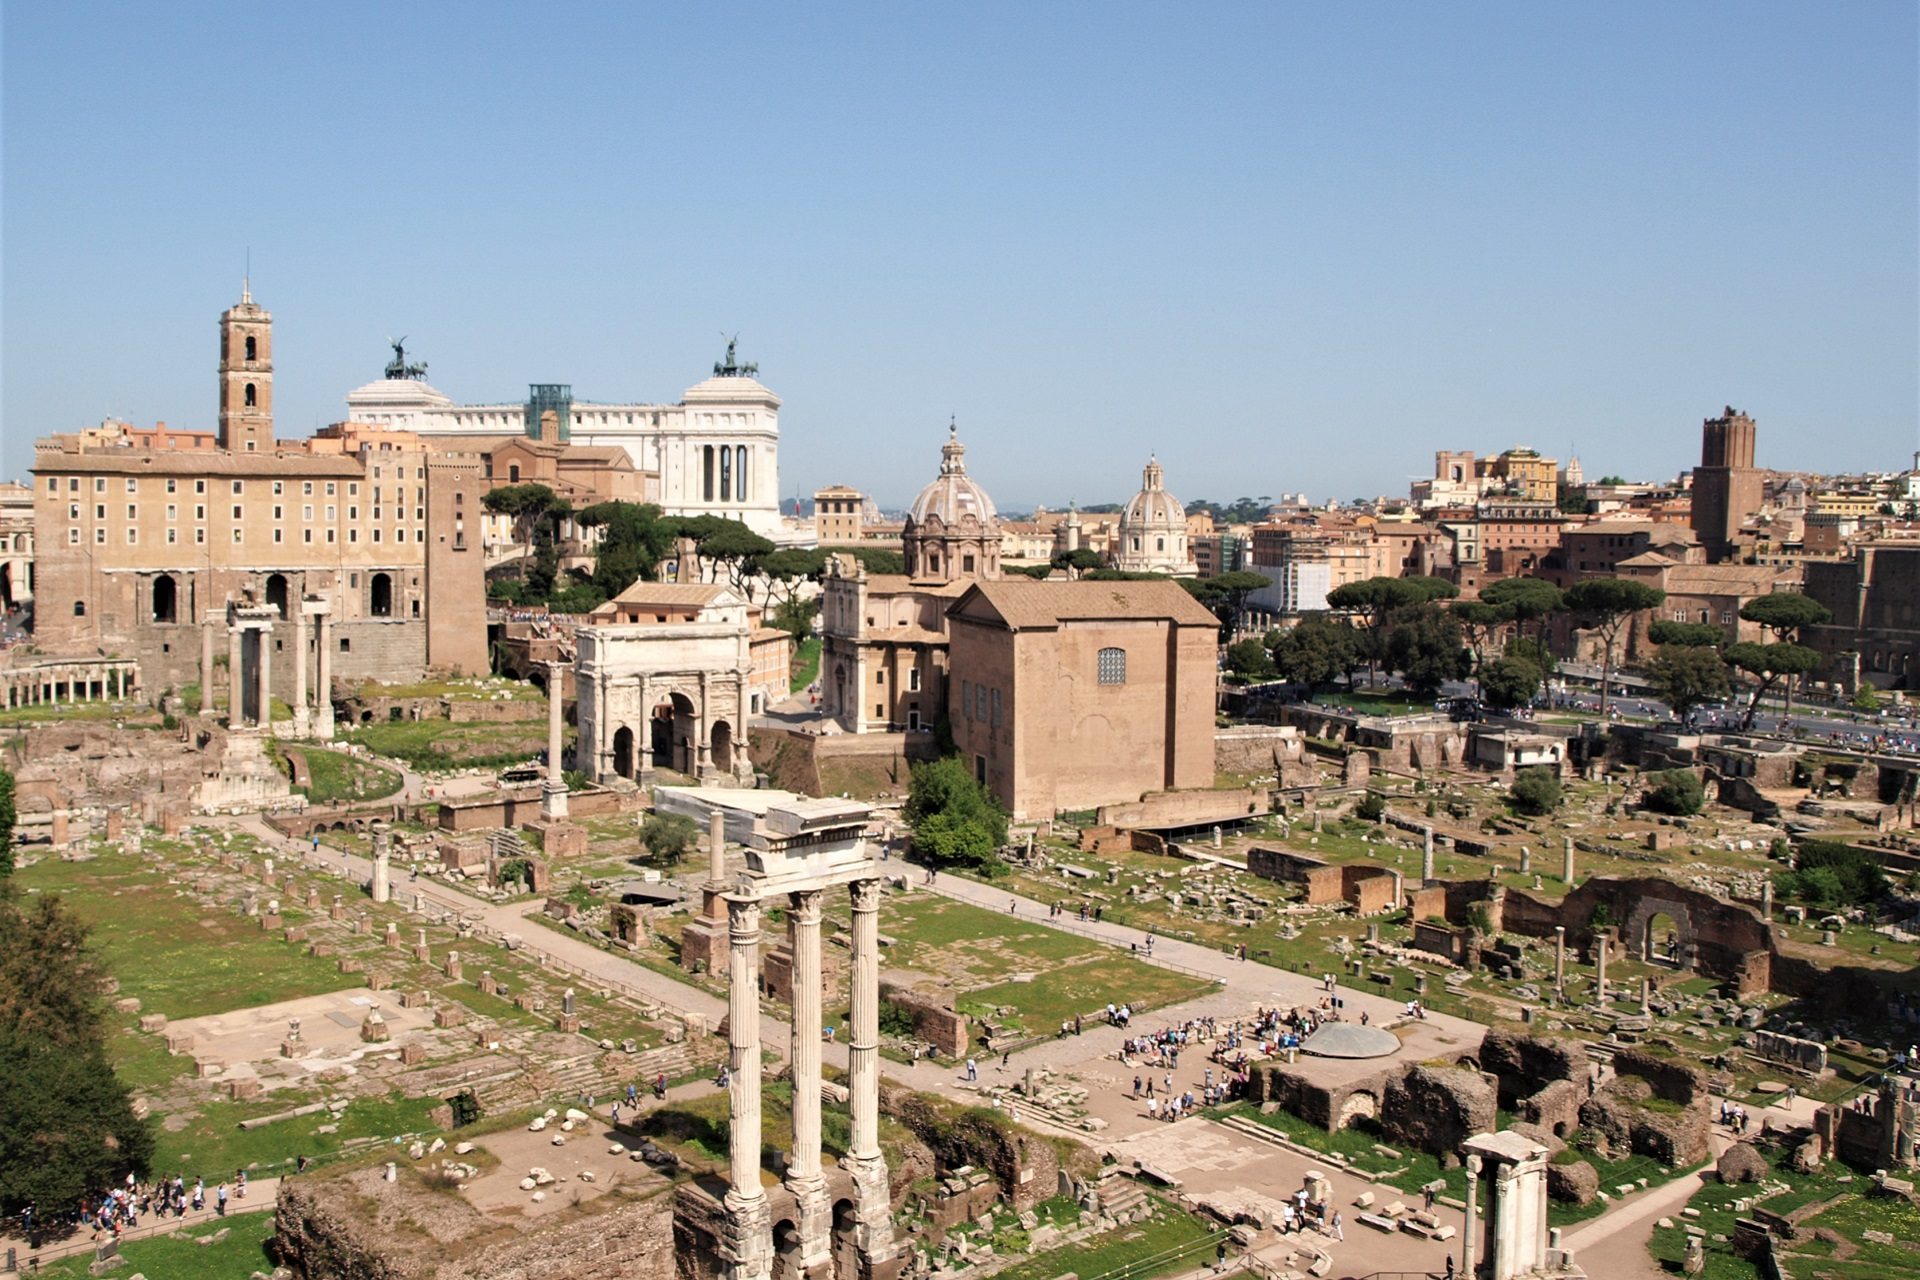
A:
302, 728
553, 800
813, 1225
879, 1253
746, 1238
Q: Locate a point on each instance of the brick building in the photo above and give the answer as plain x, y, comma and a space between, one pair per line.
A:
1071, 695
1874, 597
1727, 488
145, 536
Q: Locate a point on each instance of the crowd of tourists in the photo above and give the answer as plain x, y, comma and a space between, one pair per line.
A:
108, 1214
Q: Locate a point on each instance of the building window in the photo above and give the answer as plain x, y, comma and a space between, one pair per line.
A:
73, 537
1113, 666
251, 347
239, 487
306, 488
133, 536
236, 511
237, 531
252, 396
278, 510
99, 511
173, 512
79, 608
199, 486
200, 536
99, 484
346, 644
133, 486
100, 537
276, 536
913, 680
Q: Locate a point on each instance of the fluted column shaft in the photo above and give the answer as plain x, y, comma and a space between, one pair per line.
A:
743, 1040
863, 1054
806, 1035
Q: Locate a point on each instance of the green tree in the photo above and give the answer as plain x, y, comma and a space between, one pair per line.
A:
1676, 791
1377, 599
1318, 652
1688, 676
635, 538
1536, 791
955, 821
1787, 614
537, 512
1479, 621
787, 569
1526, 600
875, 559
732, 547
8, 815
1606, 604
795, 617
1768, 664
1249, 660
1231, 590
1866, 698
67, 1126
1425, 646
1509, 681
1691, 634
1079, 560
668, 836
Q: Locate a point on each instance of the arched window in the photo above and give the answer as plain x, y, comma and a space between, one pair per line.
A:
251, 399
380, 596
166, 595
1113, 666
79, 608
513, 473
251, 348
277, 593
1159, 544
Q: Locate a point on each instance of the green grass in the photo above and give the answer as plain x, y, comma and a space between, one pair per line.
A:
1164, 1244
338, 777
213, 1144
478, 690
177, 957
179, 1257
438, 744
134, 713
806, 663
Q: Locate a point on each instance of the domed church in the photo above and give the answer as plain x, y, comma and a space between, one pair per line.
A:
1153, 529
952, 533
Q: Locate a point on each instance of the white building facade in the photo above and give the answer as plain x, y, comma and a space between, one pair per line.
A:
717, 452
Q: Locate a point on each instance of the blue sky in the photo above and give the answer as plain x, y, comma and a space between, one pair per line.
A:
1287, 247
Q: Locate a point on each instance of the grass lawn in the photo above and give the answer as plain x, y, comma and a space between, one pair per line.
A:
179, 1257
1166, 1243
806, 664
135, 714
482, 689
439, 744
213, 1144
1851, 1215
338, 777
1045, 975
178, 958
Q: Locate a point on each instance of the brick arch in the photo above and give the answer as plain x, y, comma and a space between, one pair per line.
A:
1638, 932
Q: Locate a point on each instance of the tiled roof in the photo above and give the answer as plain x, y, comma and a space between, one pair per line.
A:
1048, 604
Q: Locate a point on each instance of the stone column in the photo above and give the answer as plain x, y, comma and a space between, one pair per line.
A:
1470, 1238
323, 677
1600, 940
804, 1178
302, 722
1560, 961
264, 668
1566, 861
747, 1236
717, 846
1646, 994
236, 705
206, 667
873, 1218
1766, 899
1426, 856
382, 855
643, 736
553, 797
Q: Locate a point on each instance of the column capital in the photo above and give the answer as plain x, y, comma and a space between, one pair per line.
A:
743, 917
804, 906
866, 894
1473, 1165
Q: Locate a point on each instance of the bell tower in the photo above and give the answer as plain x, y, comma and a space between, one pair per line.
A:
246, 376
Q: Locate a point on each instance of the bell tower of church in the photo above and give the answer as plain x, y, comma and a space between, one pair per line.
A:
246, 377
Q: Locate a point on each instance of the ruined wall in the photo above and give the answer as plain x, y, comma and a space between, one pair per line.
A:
1435, 1109
355, 1225
1256, 748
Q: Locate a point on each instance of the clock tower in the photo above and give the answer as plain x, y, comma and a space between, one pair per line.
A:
246, 377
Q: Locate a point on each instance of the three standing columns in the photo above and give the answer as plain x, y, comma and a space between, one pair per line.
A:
747, 1242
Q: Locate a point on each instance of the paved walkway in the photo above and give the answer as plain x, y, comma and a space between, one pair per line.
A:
260, 1197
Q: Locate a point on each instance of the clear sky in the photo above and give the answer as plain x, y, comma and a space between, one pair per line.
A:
1288, 247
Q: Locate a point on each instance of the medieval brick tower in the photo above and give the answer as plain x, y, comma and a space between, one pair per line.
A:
1727, 488
246, 377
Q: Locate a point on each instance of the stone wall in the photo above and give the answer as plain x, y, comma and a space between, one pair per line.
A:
354, 1225
1435, 1109
934, 1020
1256, 748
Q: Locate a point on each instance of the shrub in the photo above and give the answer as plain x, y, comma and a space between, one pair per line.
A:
1372, 806
1676, 791
1536, 791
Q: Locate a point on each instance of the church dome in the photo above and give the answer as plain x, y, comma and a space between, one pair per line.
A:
1153, 507
953, 496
